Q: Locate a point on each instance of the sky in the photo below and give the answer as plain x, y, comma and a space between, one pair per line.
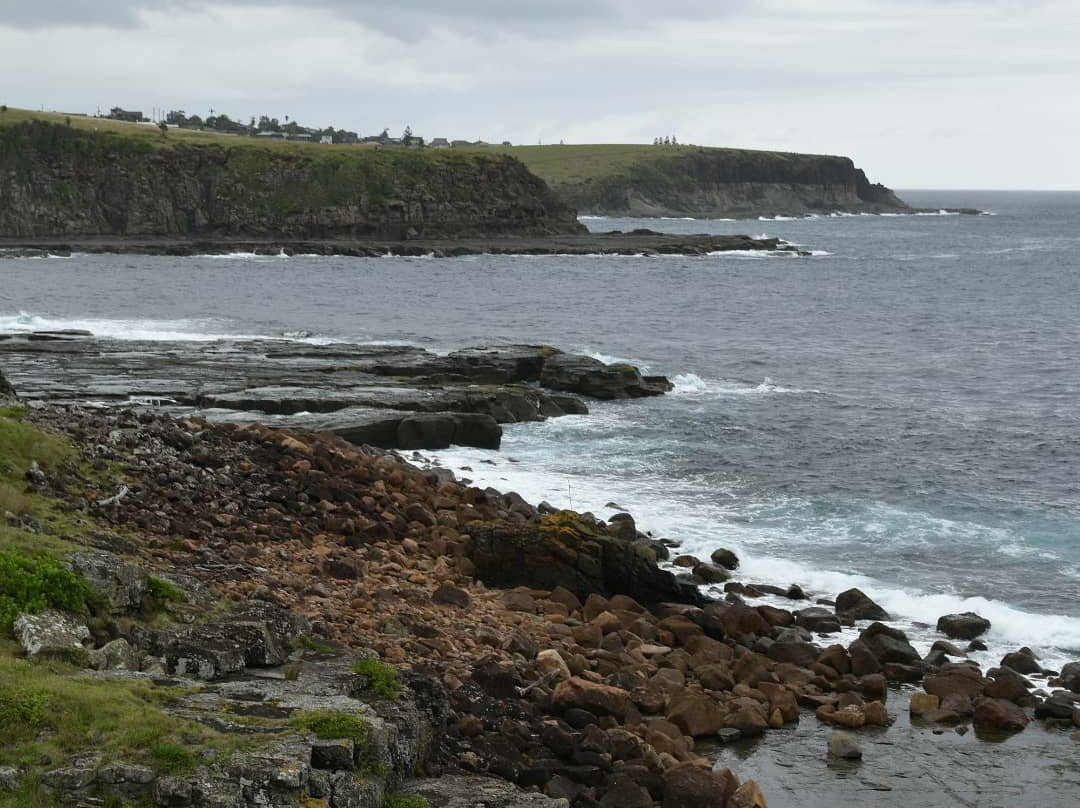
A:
920, 93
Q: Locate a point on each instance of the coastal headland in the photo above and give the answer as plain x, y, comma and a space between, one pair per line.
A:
202, 612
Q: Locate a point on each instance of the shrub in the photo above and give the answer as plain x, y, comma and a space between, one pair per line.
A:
328, 724
35, 583
172, 758
382, 678
24, 708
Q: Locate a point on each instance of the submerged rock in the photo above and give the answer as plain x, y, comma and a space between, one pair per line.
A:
843, 746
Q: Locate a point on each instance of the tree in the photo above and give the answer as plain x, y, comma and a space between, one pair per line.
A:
385, 136
177, 117
406, 136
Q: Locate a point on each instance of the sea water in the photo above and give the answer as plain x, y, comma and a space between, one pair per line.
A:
897, 411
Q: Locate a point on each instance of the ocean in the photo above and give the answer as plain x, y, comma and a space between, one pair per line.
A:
897, 411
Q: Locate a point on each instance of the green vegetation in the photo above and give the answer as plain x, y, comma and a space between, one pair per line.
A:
165, 591
330, 724
46, 715
35, 583
311, 644
383, 678
406, 801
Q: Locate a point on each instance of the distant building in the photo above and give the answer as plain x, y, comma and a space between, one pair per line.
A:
271, 135
461, 144
439, 143
507, 143
300, 136
326, 140
134, 116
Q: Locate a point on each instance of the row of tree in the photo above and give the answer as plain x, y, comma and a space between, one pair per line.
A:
665, 141
290, 128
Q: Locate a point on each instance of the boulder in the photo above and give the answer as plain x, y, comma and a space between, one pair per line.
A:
695, 713
998, 715
599, 699
843, 746
802, 654
857, 605
688, 785
748, 795
923, 703
818, 620
1022, 661
571, 373
450, 595
1060, 706
965, 626
956, 678
725, 558
51, 633
889, 644
863, 660
122, 584
1070, 676
565, 550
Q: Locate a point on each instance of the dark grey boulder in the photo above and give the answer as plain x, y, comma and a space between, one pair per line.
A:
725, 558
1070, 676
857, 605
965, 626
818, 620
889, 645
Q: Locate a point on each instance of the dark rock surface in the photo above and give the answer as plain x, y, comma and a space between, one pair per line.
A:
965, 626
391, 397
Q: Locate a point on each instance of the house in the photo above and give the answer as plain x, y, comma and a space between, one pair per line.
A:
271, 135
439, 143
134, 116
461, 144
326, 140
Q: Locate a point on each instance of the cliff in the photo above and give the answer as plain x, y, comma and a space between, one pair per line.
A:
75, 180
705, 182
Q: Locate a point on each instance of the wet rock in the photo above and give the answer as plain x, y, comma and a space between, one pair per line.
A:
50, 633
923, 703
124, 585
965, 626
1011, 687
1070, 676
999, 715
1022, 661
857, 605
695, 713
748, 795
863, 660
889, 644
688, 785
725, 558
956, 678
590, 377
798, 653
843, 746
818, 620
1059, 705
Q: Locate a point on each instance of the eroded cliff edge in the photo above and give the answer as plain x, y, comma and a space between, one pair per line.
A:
58, 180
726, 183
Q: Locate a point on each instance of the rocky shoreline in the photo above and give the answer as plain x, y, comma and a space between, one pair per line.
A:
475, 634
638, 242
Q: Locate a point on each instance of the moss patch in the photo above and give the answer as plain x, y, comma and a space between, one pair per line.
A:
383, 678
330, 724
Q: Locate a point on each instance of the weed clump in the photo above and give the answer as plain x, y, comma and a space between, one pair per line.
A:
172, 758
165, 591
406, 801
383, 678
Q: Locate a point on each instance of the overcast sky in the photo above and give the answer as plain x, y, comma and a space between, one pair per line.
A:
920, 93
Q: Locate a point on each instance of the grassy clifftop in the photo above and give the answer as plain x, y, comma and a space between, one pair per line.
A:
80, 176
627, 179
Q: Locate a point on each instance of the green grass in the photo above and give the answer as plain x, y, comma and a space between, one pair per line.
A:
406, 801
32, 584
331, 724
383, 679
47, 714
165, 591
311, 644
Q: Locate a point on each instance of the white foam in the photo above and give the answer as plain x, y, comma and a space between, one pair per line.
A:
690, 384
542, 471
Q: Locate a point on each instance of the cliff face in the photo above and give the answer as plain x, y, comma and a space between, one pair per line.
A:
714, 183
62, 181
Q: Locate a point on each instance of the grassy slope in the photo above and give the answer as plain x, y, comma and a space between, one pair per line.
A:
46, 713
571, 165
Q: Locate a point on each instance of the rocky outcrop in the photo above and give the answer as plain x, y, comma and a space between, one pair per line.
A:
563, 550
730, 183
7, 392
69, 181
